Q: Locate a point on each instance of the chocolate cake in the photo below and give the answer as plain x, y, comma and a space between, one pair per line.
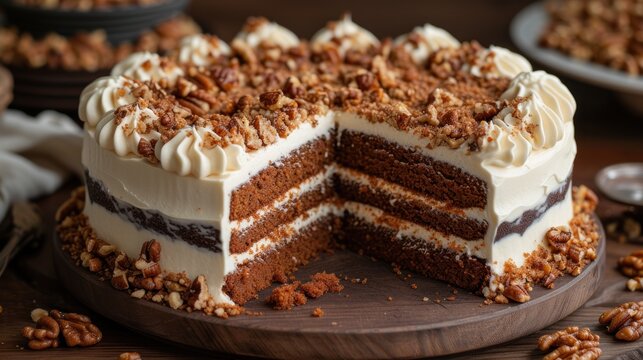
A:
245, 161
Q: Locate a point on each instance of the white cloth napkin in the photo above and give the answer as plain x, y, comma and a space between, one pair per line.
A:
36, 154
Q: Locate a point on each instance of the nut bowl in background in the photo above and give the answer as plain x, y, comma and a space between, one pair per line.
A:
526, 29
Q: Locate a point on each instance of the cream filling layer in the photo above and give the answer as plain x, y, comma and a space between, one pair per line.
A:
274, 240
405, 228
402, 193
296, 191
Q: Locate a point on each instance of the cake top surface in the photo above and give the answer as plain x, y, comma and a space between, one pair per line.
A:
225, 100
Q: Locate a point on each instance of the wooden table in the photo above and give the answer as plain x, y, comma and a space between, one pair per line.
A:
606, 133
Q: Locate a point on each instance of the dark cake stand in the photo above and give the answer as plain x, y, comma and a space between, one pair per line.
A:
360, 322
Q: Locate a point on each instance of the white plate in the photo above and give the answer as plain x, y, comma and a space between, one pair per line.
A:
526, 28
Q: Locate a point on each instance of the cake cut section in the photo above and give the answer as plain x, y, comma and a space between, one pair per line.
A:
446, 158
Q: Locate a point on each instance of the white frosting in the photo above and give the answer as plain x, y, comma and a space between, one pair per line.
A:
268, 34
431, 39
201, 50
177, 255
137, 182
124, 136
547, 107
507, 63
187, 153
103, 95
145, 66
347, 34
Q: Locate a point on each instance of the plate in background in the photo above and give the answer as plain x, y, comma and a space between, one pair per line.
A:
526, 28
120, 23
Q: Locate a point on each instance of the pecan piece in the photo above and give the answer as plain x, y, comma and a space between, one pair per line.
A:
226, 78
77, 329
625, 321
516, 293
198, 295
571, 342
632, 264
44, 335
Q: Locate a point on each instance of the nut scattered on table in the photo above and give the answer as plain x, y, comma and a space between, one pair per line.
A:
625, 321
571, 343
76, 330
632, 264
130, 356
44, 335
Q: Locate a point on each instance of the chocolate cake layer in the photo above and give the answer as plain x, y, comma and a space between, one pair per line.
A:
520, 225
272, 182
193, 233
374, 155
254, 276
241, 241
414, 254
412, 210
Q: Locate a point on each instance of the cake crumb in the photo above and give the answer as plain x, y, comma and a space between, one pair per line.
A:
414, 286
451, 298
320, 284
286, 296
334, 323
425, 299
318, 312
390, 298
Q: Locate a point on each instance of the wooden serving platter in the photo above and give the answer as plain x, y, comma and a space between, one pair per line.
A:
361, 322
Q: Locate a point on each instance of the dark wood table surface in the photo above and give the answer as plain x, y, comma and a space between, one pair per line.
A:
607, 133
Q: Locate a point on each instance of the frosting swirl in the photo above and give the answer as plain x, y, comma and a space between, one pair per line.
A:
201, 50
546, 108
506, 63
346, 34
262, 32
145, 66
425, 40
189, 153
103, 95
122, 134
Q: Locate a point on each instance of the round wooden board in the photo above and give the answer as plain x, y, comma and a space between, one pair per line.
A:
358, 323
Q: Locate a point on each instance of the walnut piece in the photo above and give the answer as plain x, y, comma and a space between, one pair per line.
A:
625, 321
571, 342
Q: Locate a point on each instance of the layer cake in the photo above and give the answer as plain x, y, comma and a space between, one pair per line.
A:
244, 161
